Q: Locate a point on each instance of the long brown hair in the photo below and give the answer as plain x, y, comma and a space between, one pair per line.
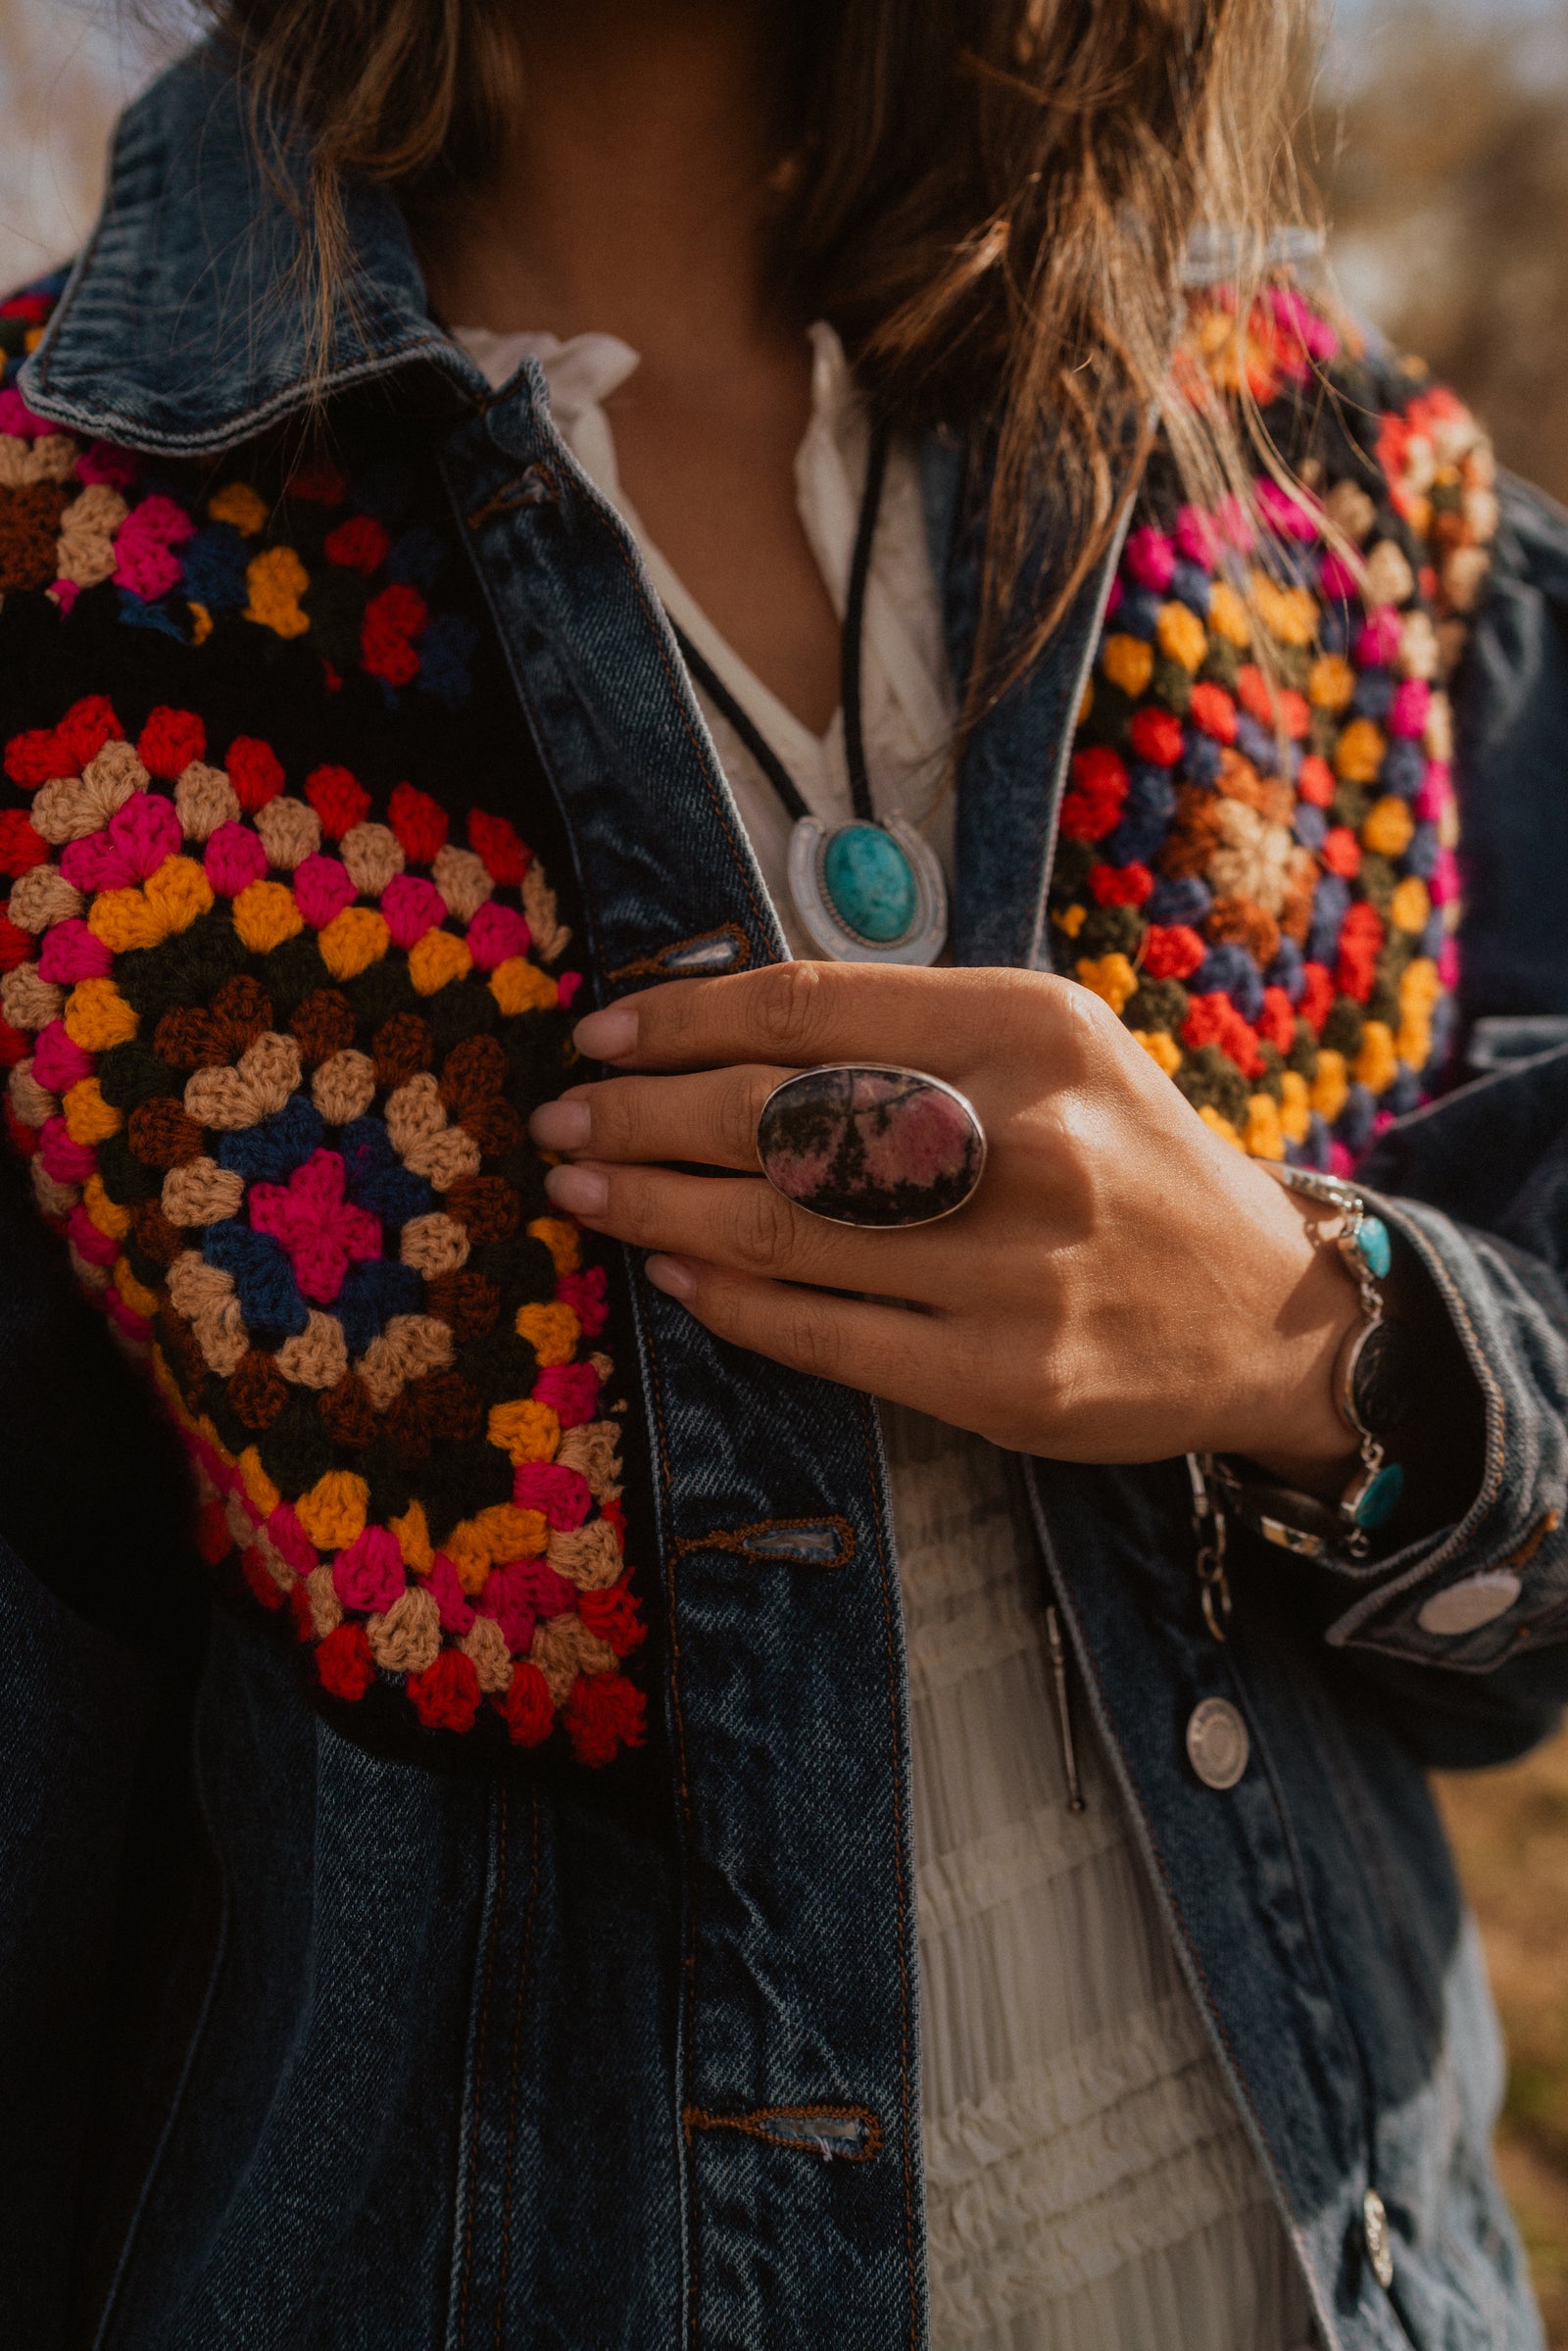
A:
991, 200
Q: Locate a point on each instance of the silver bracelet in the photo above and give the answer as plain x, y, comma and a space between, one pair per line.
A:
1282, 1515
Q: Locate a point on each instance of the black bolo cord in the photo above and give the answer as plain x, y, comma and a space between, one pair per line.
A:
876, 465
850, 645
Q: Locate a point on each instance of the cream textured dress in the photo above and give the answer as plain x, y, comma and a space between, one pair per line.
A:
1089, 2183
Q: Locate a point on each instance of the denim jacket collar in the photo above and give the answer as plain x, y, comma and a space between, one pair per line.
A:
192, 280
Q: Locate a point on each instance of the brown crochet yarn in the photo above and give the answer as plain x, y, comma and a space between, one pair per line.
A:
401, 1047
29, 525
348, 1414
469, 1301
161, 1134
323, 1025
156, 1237
257, 1390
487, 1205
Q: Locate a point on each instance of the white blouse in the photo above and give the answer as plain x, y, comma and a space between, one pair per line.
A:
1089, 2182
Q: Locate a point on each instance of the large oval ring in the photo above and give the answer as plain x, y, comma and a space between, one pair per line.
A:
868, 1144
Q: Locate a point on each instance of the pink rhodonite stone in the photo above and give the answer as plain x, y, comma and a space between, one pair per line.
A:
871, 1147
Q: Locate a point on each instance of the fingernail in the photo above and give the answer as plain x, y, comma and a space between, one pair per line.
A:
670, 1275
580, 1191
562, 1126
606, 1036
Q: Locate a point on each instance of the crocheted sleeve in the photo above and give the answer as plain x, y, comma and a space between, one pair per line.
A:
1257, 863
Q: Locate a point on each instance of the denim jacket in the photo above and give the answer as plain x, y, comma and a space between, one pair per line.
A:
307, 2046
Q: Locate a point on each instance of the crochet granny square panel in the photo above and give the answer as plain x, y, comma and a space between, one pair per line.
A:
273, 1050
273, 1032
1257, 864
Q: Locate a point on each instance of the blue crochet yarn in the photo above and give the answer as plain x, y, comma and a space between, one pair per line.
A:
1231, 971
1191, 586
1187, 901
1404, 769
1403, 1094
1374, 693
1310, 825
1139, 837
215, 568
1255, 743
1354, 1126
416, 558
269, 1152
1149, 791
1334, 628
1329, 909
377, 1178
1201, 757
263, 1279
446, 658
1421, 857
1287, 970
1138, 613
372, 1294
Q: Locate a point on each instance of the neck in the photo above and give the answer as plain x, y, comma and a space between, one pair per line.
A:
631, 197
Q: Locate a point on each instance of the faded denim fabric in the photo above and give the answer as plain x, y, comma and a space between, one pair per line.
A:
306, 2048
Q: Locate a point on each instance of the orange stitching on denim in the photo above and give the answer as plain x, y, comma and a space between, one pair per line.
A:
538, 486
903, 1891
503, 1807
740, 1539
1532, 1542
753, 2125
651, 966
523, 1957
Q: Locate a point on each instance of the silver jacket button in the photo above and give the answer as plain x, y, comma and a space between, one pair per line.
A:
1466, 1607
1217, 1745
1379, 2244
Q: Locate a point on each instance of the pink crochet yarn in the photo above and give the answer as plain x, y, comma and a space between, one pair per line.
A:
570, 1390
290, 1540
67, 1161
1335, 578
496, 933
370, 1574
1285, 515
99, 1249
234, 858
1150, 557
1197, 537
562, 1493
58, 1063
1378, 640
145, 831
322, 888
321, 1230
452, 1603
411, 906
1411, 706
145, 561
70, 953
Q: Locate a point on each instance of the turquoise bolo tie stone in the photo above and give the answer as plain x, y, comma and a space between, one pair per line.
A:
1381, 1498
1373, 1247
869, 883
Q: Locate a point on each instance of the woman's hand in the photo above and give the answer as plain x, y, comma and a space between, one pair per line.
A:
1124, 1285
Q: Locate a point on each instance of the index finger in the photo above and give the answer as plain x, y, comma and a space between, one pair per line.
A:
801, 1014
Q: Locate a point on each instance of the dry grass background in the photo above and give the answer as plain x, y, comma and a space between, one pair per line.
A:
1440, 133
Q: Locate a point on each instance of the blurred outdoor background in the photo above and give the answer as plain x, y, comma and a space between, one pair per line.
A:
1439, 131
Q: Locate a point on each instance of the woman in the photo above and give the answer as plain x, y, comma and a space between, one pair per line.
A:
731, 484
